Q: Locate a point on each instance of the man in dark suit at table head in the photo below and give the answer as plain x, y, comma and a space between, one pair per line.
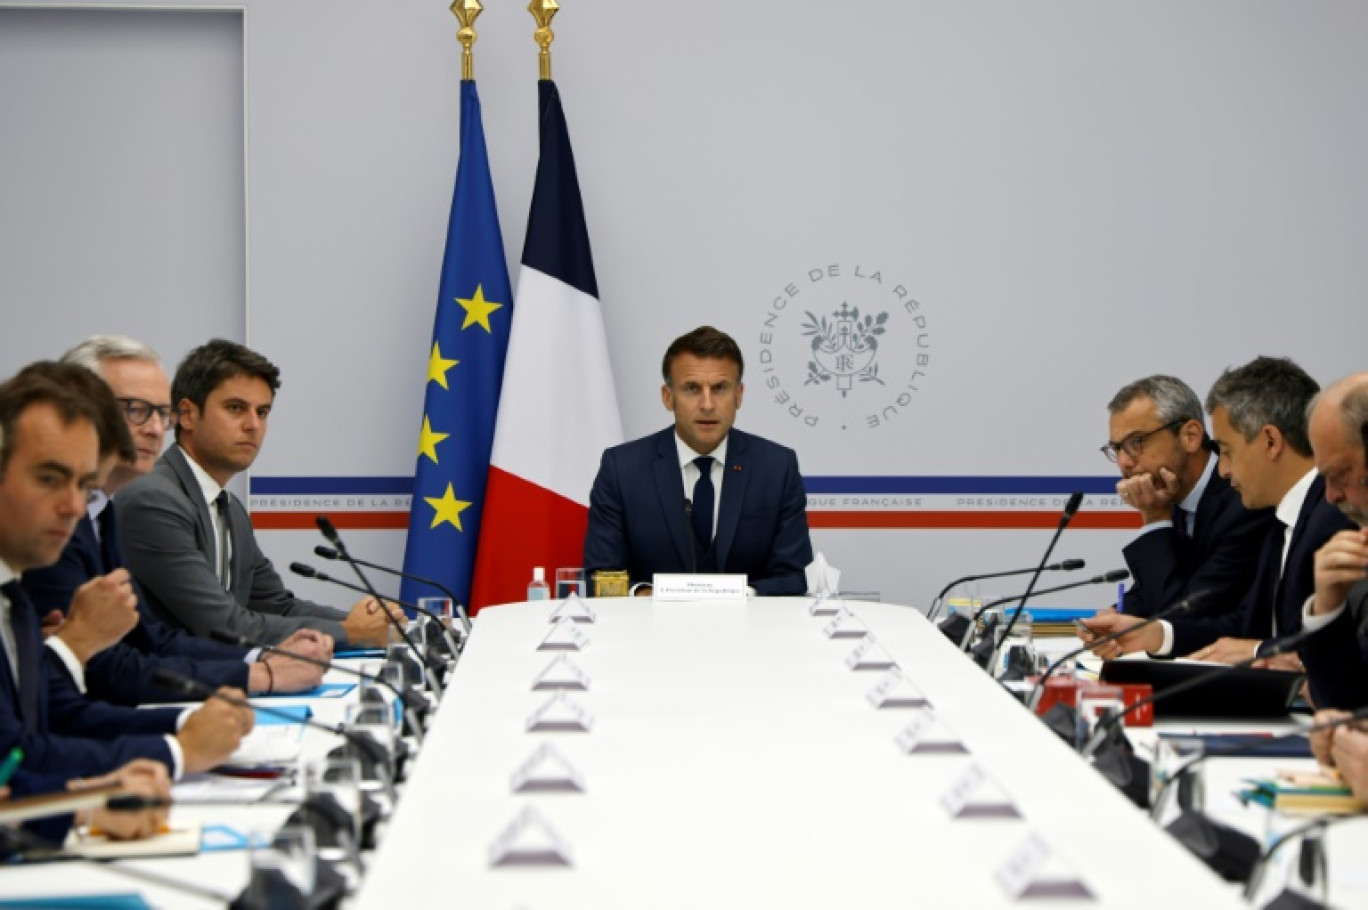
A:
1195, 536
1258, 422
190, 542
123, 672
52, 435
701, 496
1337, 659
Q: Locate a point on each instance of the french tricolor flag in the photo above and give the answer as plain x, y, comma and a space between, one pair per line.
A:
558, 408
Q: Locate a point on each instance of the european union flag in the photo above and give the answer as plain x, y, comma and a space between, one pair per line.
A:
464, 374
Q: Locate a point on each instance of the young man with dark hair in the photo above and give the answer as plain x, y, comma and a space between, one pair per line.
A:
127, 379
48, 464
701, 496
189, 541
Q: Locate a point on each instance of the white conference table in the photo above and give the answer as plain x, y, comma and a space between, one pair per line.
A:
225, 872
734, 761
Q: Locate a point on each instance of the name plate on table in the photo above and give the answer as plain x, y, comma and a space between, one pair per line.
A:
698, 587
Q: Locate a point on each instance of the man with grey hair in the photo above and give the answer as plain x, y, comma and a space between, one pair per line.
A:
123, 673
1337, 660
1258, 422
1195, 536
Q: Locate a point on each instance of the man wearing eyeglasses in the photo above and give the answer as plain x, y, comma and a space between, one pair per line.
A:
1196, 535
1258, 419
701, 496
121, 671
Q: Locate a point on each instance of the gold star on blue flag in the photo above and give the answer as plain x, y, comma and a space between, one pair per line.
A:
464, 373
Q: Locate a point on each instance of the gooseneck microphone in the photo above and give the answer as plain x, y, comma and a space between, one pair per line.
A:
411, 701
325, 526
1185, 605
456, 605
196, 689
1271, 648
304, 570
1070, 509
1253, 744
1067, 565
1111, 577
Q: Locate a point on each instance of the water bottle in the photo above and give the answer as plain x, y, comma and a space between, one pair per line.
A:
537, 588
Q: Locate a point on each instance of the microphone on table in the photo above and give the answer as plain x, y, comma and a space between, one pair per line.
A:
1111, 577
325, 526
1231, 854
962, 637
410, 700
433, 663
365, 747
1273, 647
456, 605
430, 665
1245, 746
1310, 860
1228, 852
985, 656
1067, 565
1184, 605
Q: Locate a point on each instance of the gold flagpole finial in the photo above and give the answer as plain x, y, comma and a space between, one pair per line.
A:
466, 12
543, 11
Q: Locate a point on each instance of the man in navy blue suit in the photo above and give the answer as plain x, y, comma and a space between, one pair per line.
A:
122, 672
50, 445
1258, 421
1337, 659
701, 496
1195, 534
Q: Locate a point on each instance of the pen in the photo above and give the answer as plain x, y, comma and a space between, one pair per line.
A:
10, 765
1121, 597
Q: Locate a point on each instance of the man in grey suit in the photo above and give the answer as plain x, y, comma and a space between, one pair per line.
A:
189, 542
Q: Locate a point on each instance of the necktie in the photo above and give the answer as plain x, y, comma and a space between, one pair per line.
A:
1180, 523
225, 570
26, 644
1278, 553
703, 496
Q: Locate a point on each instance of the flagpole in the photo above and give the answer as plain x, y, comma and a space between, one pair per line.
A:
543, 11
466, 12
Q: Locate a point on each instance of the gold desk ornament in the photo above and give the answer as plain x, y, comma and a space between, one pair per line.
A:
544, 11
466, 12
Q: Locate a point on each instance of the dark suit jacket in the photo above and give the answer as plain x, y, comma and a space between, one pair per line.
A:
73, 736
1336, 658
1221, 556
122, 674
1317, 522
169, 545
637, 520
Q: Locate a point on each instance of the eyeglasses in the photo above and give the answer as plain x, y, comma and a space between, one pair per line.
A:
1134, 444
140, 412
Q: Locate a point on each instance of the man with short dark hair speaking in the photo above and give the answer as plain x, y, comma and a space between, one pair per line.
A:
701, 496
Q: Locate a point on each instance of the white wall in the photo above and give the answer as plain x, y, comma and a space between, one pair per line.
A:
1076, 194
